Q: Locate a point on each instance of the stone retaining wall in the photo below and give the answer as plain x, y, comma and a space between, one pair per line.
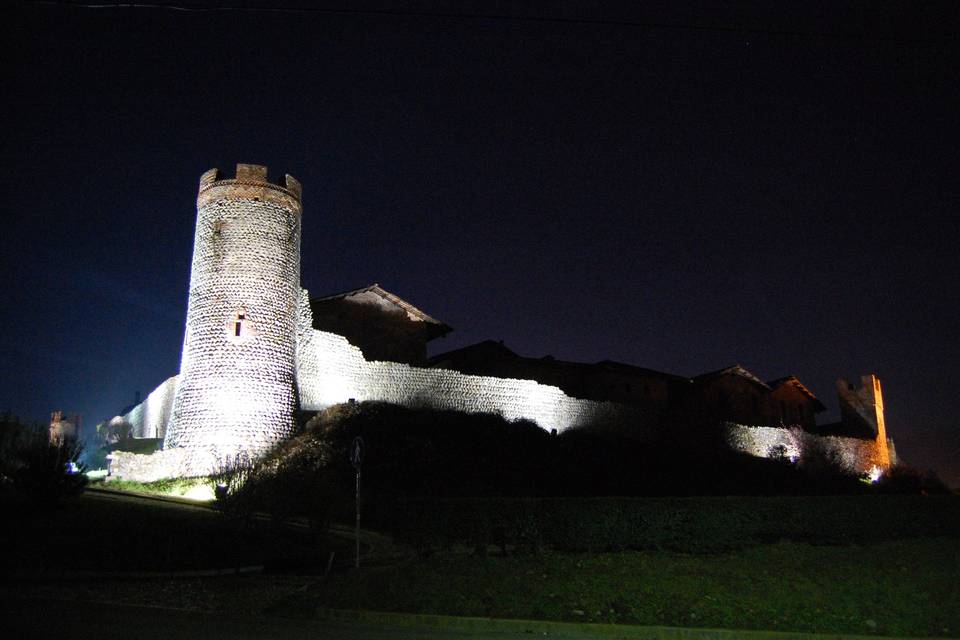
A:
856, 455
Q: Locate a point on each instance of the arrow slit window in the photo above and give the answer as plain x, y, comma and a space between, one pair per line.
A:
239, 328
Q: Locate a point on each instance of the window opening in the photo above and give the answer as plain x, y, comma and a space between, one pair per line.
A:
238, 328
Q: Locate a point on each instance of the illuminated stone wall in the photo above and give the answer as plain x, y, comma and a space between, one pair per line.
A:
767, 442
149, 419
250, 352
169, 463
330, 370
237, 381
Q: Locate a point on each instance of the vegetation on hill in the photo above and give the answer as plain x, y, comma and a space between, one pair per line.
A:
422, 452
430, 454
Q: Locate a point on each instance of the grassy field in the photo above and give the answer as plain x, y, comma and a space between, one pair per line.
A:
194, 488
904, 587
898, 588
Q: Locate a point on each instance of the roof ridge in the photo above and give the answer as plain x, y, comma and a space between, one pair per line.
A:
387, 295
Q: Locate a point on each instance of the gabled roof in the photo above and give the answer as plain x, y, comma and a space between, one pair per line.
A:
792, 380
486, 349
490, 351
413, 313
733, 370
494, 350
640, 371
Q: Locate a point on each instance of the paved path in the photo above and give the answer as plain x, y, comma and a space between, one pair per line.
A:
377, 549
26, 619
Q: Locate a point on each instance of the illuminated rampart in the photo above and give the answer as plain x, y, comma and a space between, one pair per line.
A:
250, 353
330, 370
150, 418
854, 454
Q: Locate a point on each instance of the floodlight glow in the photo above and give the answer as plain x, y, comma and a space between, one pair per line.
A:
200, 493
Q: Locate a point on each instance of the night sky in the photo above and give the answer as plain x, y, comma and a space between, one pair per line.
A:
680, 186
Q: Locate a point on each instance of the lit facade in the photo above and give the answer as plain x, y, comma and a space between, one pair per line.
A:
237, 384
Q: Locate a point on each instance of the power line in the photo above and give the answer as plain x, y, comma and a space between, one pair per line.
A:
736, 29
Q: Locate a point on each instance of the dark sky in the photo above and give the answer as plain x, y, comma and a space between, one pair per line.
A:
676, 185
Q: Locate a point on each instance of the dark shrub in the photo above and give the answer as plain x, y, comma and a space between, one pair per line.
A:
688, 525
907, 480
51, 470
16, 438
297, 479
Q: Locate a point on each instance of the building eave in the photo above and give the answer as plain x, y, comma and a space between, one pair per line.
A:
733, 370
438, 328
792, 380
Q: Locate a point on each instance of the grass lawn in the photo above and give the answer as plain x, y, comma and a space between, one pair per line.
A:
195, 488
898, 588
906, 587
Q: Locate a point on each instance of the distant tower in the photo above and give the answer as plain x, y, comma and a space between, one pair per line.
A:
863, 408
236, 390
64, 426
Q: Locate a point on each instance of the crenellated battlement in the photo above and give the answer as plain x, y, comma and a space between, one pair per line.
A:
250, 183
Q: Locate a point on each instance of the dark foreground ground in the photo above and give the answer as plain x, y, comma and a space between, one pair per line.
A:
64, 619
110, 532
58, 619
52, 582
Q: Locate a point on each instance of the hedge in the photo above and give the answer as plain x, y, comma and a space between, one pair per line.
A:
688, 525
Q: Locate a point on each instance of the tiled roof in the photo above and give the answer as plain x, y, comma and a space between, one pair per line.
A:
733, 370
390, 297
792, 380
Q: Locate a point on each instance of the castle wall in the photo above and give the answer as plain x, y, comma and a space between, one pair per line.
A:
330, 370
149, 419
139, 467
251, 357
768, 442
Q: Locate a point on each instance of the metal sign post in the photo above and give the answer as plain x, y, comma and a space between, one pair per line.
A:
356, 459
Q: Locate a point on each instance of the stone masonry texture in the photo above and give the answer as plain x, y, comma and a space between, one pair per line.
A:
236, 386
251, 356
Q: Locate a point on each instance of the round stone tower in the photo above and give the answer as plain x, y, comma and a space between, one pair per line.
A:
236, 391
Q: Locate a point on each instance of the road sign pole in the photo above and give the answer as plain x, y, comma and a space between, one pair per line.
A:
356, 459
357, 532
